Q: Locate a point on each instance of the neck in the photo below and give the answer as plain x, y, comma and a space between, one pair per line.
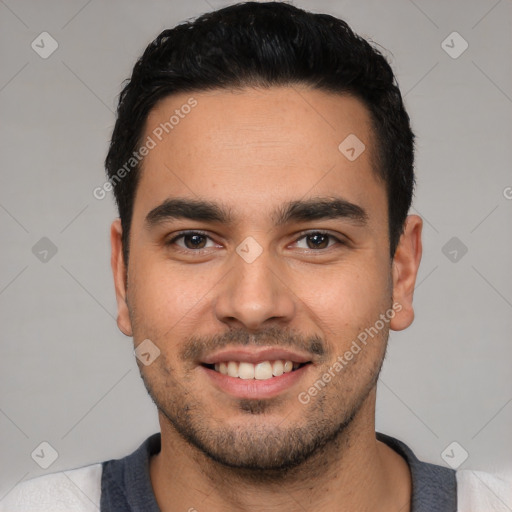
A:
353, 471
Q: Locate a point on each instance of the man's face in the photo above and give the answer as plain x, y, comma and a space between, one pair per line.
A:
258, 280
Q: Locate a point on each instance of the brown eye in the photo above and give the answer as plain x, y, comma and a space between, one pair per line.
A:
317, 241
194, 241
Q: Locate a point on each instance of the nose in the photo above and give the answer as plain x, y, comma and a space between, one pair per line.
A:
254, 294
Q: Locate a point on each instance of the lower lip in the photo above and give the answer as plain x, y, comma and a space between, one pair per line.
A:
253, 388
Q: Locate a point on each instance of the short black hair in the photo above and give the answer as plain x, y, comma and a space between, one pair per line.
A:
264, 45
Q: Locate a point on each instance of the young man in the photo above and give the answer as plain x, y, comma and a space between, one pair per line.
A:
262, 163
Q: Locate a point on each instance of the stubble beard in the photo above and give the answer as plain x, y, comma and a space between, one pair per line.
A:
263, 450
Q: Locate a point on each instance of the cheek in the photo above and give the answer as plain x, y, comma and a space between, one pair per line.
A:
166, 298
348, 299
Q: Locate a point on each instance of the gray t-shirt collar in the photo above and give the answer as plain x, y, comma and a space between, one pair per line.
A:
126, 484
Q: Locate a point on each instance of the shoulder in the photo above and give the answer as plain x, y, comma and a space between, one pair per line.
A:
76, 490
478, 491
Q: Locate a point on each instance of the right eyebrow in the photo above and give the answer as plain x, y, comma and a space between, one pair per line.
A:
192, 209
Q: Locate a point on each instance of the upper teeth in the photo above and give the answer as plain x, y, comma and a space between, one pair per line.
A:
260, 371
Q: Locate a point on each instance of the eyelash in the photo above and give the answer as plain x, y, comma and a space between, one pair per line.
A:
302, 235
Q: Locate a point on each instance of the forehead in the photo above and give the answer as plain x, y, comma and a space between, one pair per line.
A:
253, 146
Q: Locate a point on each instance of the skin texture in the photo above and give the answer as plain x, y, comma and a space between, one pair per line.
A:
252, 151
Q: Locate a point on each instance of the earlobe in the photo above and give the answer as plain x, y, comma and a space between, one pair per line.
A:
406, 262
120, 277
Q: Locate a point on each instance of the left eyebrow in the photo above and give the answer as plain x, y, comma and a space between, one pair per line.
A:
321, 208
293, 211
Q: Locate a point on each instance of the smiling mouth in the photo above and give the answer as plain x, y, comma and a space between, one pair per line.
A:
264, 370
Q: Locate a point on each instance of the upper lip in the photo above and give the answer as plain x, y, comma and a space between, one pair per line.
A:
255, 356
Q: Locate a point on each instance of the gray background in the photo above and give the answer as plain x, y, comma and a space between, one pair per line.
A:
68, 377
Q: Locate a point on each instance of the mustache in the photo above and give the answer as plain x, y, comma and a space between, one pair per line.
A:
198, 347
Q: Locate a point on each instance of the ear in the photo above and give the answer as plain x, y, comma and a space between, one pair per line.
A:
120, 277
406, 262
